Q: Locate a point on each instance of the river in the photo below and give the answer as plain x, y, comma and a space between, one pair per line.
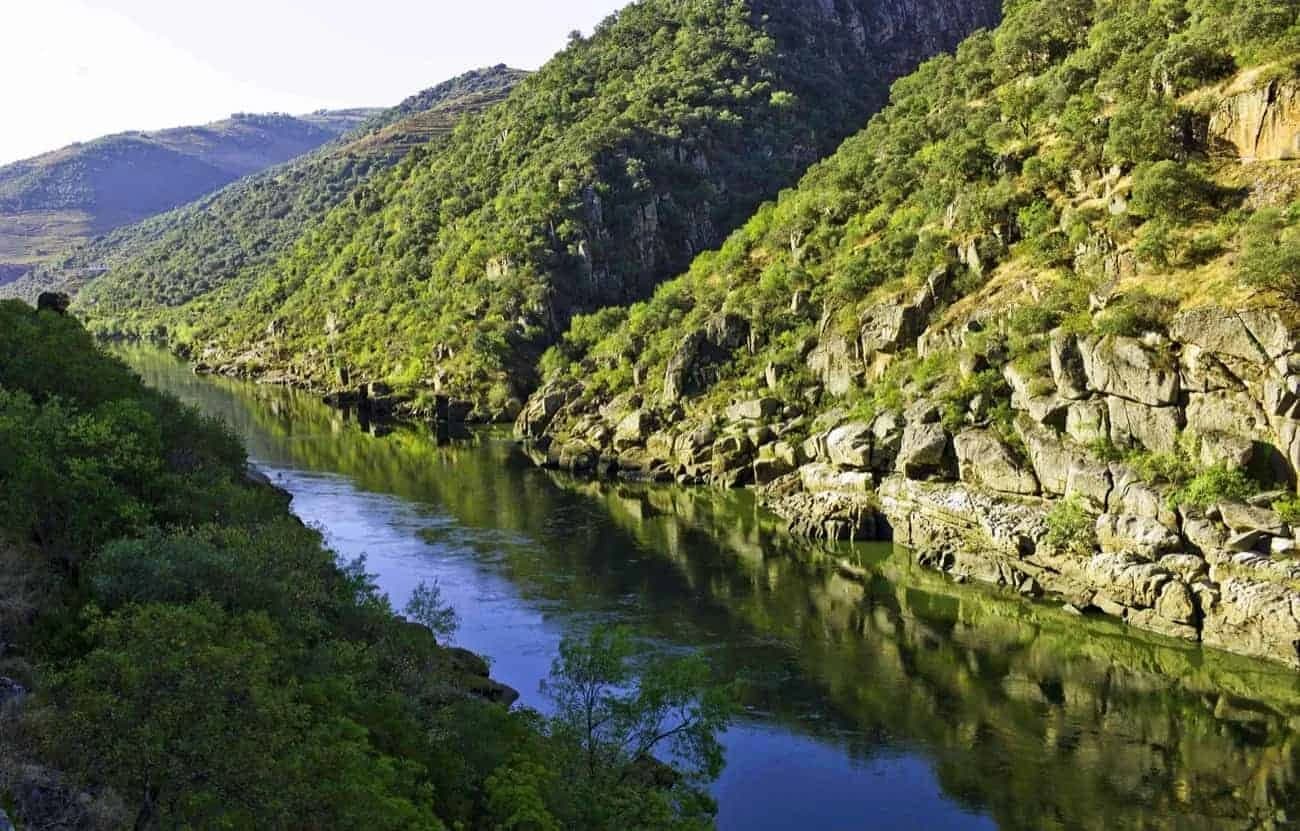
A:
877, 695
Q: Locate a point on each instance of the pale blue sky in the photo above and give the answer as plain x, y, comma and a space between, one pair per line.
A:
77, 69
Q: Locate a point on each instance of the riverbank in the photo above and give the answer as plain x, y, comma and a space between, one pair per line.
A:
912, 699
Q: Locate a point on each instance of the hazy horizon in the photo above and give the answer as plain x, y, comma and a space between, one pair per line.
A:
88, 68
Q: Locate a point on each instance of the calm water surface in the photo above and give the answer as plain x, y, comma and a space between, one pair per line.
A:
880, 696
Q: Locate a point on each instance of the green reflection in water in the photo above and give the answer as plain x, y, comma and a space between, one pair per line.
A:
1043, 719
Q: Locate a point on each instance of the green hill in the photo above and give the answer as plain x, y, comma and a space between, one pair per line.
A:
603, 174
224, 239
58, 199
1082, 147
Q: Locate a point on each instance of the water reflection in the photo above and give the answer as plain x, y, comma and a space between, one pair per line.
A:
880, 695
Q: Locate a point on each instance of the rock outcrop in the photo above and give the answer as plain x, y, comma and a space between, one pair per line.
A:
975, 501
1262, 124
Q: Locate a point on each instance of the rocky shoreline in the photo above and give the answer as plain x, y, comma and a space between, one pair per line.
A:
977, 503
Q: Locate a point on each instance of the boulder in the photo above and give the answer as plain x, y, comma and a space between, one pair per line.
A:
757, 409
1229, 411
836, 362
1134, 423
849, 445
1050, 454
693, 367
1126, 580
1240, 517
1217, 331
818, 477
895, 323
886, 440
1090, 482
1088, 421
983, 459
633, 430
1223, 449
538, 413
1139, 537
1130, 369
768, 469
1176, 603
1067, 366
925, 452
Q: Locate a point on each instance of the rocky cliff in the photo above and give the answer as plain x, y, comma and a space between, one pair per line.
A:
1031, 322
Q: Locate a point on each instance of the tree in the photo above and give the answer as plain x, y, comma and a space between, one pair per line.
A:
614, 712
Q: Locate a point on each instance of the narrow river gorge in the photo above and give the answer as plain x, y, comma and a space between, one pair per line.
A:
878, 695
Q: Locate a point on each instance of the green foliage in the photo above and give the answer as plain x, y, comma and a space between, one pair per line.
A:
1214, 484
1288, 509
427, 608
1135, 313
1271, 251
601, 175
615, 713
1172, 192
1071, 529
202, 657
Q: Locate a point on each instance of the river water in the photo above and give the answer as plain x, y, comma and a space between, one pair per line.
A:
877, 695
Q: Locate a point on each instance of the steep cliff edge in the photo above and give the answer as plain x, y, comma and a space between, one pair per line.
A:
1038, 321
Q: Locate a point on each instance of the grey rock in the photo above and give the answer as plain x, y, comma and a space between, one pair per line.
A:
1219, 331
754, 410
1255, 618
1140, 537
1246, 541
1205, 534
849, 445
1090, 482
886, 440
1188, 567
1133, 423
1175, 603
1088, 421
1240, 516
1067, 366
925, 452
818, 477
983, 459
633, 430
1128, 368
1049, 453
1224, 449
1230, 411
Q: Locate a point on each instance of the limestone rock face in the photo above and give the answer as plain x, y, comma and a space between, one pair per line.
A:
1133, 423
849, 445
1255, 618
1259, 125
1130, 369
1140, 537
757, 409
693, 366
983, 459
1067, 366
925, 452
633, 430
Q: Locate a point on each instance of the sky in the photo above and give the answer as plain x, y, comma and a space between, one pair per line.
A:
73, 70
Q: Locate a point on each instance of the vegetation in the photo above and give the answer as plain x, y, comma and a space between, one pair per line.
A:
53, 201
226, 241
1071, 528
199, 659
601, 175
1027, 167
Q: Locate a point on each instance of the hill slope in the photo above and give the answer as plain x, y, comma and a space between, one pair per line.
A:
225, 238
603, 174
1039, 321
55, 200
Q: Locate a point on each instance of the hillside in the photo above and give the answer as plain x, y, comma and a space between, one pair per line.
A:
227, 238
601, 175
1038, 321
53, 201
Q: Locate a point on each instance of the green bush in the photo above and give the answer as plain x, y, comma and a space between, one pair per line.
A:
1214, 484
1071, 529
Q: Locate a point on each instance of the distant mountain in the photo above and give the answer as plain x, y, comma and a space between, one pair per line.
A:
58, 199
223, 238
